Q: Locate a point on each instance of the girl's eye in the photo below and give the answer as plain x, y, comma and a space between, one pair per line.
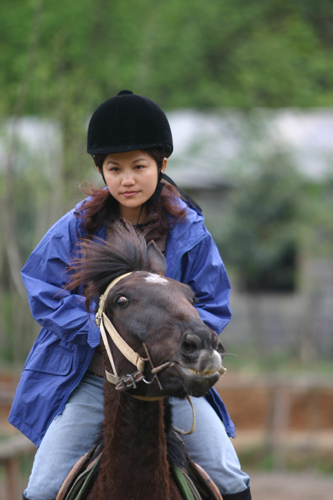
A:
122, 301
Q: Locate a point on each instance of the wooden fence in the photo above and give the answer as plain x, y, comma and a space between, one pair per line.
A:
12, 449
272, 404
280, 412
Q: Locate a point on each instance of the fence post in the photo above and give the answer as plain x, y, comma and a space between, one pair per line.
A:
11, 450
278, 424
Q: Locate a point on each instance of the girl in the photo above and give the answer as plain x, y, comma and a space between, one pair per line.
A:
59, 399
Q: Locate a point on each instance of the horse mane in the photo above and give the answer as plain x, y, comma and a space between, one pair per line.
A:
102, 261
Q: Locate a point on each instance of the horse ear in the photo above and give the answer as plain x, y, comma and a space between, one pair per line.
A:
156, 260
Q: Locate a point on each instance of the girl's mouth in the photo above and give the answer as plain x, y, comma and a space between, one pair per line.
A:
128, 194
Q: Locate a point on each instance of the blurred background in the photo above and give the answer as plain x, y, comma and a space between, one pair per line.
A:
248, 88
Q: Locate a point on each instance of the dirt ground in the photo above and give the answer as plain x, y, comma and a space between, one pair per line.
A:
285, 486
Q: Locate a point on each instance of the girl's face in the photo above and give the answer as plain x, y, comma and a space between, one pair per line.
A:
131, 178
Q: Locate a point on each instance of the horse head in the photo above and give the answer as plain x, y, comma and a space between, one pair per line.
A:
175, 353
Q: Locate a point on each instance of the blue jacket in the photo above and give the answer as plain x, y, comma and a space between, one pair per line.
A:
62, 352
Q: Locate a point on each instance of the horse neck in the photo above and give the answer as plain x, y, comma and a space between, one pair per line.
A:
135, 450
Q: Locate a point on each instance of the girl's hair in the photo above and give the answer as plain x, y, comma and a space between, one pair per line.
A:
103, 207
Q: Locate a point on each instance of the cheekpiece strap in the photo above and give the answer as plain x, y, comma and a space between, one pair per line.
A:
106, 327
123, 347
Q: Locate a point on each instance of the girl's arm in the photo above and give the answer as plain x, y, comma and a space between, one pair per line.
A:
205, 273
45, 275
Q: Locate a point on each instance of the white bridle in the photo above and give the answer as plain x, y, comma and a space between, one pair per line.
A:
106, 326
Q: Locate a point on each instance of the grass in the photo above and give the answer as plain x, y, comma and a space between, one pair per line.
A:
262, 459
248, 359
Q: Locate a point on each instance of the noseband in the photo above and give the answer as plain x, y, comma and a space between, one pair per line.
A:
127, 381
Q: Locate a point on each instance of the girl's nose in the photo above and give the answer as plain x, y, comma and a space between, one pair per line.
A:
128, 179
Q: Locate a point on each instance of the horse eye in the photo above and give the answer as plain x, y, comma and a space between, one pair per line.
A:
122, 301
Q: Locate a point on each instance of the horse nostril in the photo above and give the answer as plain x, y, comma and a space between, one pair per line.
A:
220, 348
190, 344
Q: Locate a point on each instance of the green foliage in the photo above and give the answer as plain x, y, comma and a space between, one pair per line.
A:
61, 59
201, 54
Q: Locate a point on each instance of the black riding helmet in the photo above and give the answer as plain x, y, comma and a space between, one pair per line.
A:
128, 122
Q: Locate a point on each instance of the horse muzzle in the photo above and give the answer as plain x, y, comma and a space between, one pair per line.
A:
199, 362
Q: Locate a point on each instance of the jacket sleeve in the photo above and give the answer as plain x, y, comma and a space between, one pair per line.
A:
45, 276
205, 272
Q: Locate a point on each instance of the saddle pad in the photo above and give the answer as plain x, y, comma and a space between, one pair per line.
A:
196, 486
80, 479
185, 484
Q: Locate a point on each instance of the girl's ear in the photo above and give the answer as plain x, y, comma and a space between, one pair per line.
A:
102, 174
164, 164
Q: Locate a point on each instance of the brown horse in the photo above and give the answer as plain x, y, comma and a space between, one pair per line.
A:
174, 352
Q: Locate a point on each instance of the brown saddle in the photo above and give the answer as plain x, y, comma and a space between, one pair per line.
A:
194, 484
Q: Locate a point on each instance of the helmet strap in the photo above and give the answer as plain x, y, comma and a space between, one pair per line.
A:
181, 192
155, 196
140, 213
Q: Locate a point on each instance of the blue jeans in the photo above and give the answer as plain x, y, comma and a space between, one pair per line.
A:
75, 431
